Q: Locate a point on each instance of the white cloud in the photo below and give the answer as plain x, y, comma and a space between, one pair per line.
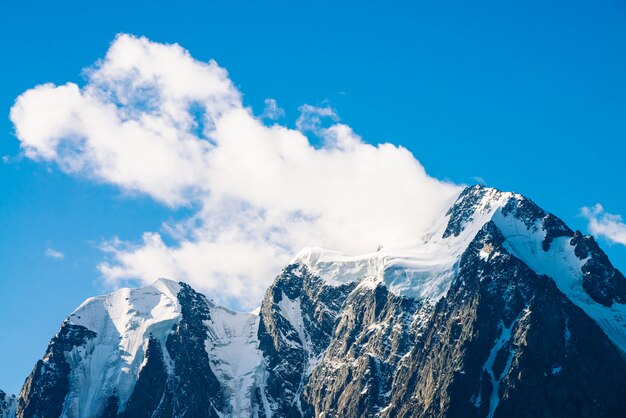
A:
52, 253
605, 224
133, 124
311, 117
272, 111
153, 120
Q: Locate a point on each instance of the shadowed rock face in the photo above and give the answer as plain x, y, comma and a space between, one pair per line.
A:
45, 389
504, 341
191, 390
7, 405
603, 282
150, 388
298, 316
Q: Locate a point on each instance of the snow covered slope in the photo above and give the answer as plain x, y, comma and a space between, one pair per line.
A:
233, 348
425, 268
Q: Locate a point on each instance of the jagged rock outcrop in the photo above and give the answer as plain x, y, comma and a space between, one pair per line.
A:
8, 403
45, 389
297, 318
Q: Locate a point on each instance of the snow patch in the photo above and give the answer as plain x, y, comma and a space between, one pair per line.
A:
291, 310
233, 349
501, 341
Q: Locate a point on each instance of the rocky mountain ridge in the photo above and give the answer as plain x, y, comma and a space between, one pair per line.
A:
499, 310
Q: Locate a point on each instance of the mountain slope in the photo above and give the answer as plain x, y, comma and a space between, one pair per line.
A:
7, 405
503, 336
499, 310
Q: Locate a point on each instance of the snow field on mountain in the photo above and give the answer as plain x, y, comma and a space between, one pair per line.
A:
422, 268
232, 346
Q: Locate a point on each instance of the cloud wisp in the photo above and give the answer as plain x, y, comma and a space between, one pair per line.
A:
151, 119
55, 254
272, 111
604, 224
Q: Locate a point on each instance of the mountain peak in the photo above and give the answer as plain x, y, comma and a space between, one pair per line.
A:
157, 299
475, 203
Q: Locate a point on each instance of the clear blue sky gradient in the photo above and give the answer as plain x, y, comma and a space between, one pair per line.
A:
530, 96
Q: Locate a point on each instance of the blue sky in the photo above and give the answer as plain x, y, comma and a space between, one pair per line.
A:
529, 97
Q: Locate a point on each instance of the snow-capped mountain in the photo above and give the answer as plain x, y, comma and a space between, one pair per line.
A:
499, 310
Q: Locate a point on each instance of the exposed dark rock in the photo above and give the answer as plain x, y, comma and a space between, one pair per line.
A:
46, 388
289, 352
375, 330
529, 213
554, 228
150, 388
522, 208
194, 391
525, 210
112, 407
464, 209
603, 282
7, 405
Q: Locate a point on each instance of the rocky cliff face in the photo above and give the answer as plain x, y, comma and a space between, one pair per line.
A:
500, 310
298, 316
8, 404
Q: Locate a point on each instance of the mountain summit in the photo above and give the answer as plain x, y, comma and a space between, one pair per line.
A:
499, 310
